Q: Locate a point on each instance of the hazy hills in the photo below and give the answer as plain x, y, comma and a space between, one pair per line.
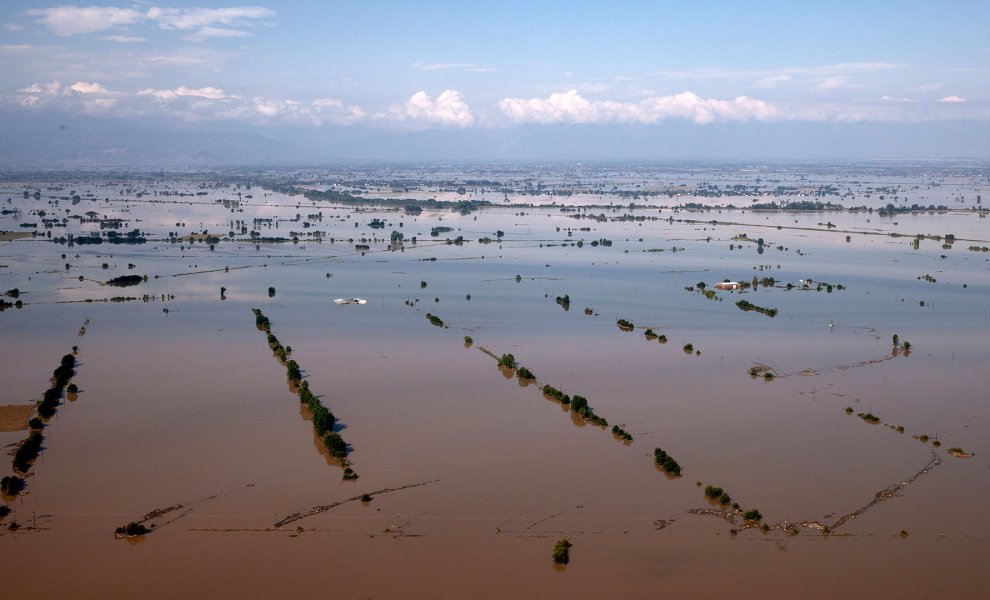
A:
63, 140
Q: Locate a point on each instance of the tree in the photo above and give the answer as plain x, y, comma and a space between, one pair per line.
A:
666, 462
322, 419
335, 444
561, 552
292, 368
132, 529
752, 515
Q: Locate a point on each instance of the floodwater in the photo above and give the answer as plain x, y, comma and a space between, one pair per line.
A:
473, 475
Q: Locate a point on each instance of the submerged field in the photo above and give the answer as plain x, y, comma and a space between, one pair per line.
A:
791, 395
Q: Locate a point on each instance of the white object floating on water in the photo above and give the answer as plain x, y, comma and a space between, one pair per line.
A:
341, 301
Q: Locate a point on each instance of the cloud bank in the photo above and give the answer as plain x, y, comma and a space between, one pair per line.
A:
571, 107
78, 20
451, 110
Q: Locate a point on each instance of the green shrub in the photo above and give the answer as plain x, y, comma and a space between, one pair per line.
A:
11, 485
27, 451
335, 444
712, 492
749, 306
551, 392
561, 552
508, 361
322, 419
666, 462
752, 515
621, 433
292, 370
132, 529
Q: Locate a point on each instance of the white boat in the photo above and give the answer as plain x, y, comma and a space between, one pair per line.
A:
341, 301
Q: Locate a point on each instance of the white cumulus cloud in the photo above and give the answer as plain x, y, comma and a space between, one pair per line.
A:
952, 99
571, 107
44, 89
448, 109
83, 87
267, 108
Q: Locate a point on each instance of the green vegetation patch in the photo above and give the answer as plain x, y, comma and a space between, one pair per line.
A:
132, 529
561, 552
666, 462
749, 306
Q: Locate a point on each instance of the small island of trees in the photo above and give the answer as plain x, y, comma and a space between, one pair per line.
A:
666, 462
132, 529
507, 361
561, 552
621, 433
749, 306
717, 494
125, 280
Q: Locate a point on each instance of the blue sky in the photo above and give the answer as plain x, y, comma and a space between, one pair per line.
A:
466, 67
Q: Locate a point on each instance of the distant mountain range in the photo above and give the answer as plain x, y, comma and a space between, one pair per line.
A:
74, 141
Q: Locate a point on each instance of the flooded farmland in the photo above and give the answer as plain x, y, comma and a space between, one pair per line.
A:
827, 414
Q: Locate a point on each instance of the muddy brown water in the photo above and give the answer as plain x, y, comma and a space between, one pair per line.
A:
188, 407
